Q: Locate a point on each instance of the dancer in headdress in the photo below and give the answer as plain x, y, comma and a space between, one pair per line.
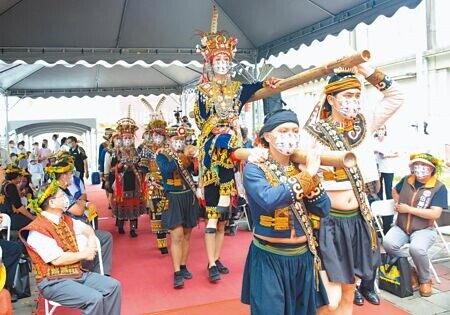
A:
180, 207
347, 238
154, 139
220, 101
129, 199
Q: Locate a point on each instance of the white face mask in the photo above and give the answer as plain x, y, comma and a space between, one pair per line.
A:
380, 133
286, 143
118, 142
66, 202
146, 137
178, 145
221, 67
158, 139
349, 108
127, 142
422, 171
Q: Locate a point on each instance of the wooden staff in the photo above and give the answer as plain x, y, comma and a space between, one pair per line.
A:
312, 74
338, 159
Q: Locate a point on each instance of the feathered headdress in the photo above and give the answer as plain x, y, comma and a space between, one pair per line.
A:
157, 123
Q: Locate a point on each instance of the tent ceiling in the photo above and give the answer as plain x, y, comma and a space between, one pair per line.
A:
136, 47
35, 128
133, 30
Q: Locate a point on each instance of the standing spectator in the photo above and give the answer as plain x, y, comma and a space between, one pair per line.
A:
36, 170
35, 149
12, 147
102, 149
246, 141
64, 147
385, 156
56, 145
4, 158
44, 152
80, 157
419, 200
21, 147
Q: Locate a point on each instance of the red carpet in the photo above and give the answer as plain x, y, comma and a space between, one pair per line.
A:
147, 276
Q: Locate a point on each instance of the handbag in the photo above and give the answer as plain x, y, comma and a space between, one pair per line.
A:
395, 275
21, 283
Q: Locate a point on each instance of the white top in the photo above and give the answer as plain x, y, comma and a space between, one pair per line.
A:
390, 103
36, 169
46, 247
56, 146
385, 165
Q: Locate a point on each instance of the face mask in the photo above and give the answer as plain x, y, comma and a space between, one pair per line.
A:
127, 142
118, 142
20, 147
221, 66
33, 162
380, 133
422, 171
13, 159
158, 139
178, 145
349, 108
146, 137
66, 202
286, 143
44, 145
70, 145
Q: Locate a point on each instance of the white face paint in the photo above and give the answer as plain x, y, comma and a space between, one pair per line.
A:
158, 139
422, 171
178, 145
286, 143
221, 64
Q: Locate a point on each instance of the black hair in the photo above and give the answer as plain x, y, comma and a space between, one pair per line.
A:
11, 176
63, 139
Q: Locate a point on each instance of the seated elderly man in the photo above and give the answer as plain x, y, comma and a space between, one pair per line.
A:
56, 255
419, 200
62, 171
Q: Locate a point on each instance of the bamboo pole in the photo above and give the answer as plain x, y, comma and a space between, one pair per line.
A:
312, 74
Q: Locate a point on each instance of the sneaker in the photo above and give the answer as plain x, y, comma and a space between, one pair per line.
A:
214, 274
186, 274
222, 269
178, 281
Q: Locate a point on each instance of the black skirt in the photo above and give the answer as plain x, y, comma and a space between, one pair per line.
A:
281, 285
183, 210
346, 248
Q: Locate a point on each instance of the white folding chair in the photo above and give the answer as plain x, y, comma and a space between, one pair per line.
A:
6, 224
441, 242
243, 216
51, 306
382, 208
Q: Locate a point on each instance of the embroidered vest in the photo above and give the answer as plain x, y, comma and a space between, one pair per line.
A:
64, 236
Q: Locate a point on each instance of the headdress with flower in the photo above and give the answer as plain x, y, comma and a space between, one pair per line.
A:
49, 191
60, 167
13, 169
179, 131
428, 159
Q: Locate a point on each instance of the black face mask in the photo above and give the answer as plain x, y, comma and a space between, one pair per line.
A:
43, 145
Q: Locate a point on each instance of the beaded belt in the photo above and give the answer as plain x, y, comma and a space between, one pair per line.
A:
344, 213
279, 248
